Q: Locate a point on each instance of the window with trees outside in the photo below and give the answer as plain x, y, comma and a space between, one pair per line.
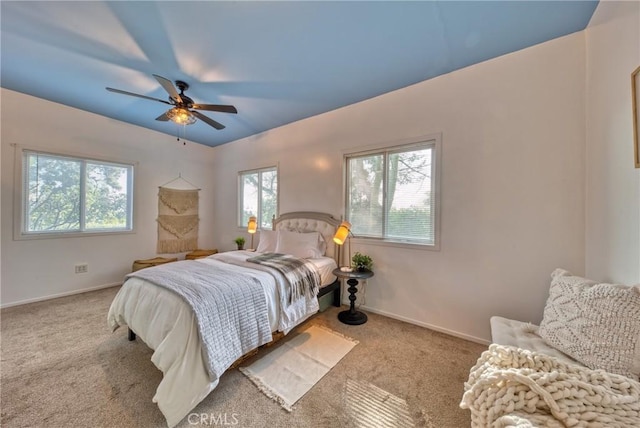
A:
258, 196
65, 194
391, 194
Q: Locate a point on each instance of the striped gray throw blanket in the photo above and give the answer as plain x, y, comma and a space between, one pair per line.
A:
301, 273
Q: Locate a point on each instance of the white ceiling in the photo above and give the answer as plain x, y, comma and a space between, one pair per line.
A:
276, 62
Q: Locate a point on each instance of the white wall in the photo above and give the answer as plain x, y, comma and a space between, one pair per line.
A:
514, 184
512, 187
35, 269
613, 184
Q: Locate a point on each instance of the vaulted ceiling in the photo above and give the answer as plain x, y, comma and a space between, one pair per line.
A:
276, 62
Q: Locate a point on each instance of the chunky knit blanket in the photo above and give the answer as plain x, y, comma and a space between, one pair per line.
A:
512, 387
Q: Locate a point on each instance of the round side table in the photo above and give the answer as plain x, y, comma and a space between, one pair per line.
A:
352, 316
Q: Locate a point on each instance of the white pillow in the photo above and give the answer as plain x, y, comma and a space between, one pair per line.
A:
301, 245
596, 324
268, 241
322, 245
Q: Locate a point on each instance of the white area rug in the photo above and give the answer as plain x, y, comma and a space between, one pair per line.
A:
289, 371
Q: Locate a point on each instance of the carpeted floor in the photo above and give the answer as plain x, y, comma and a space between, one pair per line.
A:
61, 367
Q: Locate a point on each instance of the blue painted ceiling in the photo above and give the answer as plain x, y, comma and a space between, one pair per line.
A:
276, 62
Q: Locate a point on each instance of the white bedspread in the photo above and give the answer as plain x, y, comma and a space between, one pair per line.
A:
167, 325
230, 309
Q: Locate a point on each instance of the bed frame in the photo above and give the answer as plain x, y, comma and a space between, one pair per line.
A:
303, 221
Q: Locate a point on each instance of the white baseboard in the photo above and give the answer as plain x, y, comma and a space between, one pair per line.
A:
416, 322
368, 309
55, 296
427, 325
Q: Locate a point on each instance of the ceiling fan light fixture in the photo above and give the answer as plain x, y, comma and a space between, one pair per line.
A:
184, 111
181, 116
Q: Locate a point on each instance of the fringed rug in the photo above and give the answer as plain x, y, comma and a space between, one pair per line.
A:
288, 372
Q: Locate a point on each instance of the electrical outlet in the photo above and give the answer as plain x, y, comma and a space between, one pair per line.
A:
82, 268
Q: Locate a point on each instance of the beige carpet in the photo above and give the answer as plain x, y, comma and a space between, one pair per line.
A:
61, 367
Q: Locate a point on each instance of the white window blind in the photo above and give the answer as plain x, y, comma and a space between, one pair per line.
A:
391, 193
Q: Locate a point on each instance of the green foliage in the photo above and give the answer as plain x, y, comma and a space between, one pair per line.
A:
396, 205
106, 203
361, 261
54, 194
269, 198
410, 223
267, 183
239, 241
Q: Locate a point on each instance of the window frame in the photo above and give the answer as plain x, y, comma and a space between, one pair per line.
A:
21, 197
240, 195
430, 140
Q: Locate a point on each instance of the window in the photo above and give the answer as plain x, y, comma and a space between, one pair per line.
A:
65, 194
258, 196
391, 193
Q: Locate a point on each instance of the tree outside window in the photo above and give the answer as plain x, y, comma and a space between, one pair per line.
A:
258, 196
66, 194
391, 194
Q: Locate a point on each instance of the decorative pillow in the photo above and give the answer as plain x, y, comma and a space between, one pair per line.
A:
268, 241
302, 245
596, 324
322, 244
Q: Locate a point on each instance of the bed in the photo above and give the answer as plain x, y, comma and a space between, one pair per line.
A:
193, 350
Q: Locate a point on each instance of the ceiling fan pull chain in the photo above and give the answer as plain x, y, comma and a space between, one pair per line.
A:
184, 127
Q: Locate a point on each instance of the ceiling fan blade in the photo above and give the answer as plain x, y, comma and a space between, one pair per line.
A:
215, 107
168, 86
207, 120
163, 117
118, 91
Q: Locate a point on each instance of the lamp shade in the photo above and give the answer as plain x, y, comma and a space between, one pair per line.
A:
253, 225
181, 116
342, 233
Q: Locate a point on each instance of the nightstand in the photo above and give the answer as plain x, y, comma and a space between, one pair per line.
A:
352, 316
198, 254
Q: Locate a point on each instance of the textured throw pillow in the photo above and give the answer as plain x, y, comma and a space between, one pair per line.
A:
268, 242
302, 245
596, 324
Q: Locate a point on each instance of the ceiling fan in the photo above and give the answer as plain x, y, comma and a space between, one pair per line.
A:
184, 110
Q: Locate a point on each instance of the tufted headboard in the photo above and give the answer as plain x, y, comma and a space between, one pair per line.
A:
307, 221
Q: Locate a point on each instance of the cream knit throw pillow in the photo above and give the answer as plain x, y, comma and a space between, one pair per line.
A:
596, 324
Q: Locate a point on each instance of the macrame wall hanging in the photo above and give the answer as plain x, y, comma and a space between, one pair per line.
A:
177, 219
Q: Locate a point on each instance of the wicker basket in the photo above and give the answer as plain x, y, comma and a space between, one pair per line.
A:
141, 264
198, 254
